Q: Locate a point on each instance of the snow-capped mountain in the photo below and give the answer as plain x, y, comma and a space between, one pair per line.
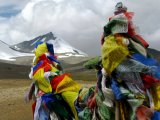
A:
61, 47
6, 53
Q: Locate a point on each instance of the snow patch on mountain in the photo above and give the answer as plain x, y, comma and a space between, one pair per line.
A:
6, 53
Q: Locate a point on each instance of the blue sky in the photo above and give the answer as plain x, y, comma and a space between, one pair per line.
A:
79, 22
9, 11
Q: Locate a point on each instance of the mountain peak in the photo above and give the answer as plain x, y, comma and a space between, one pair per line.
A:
61, 47
47, 37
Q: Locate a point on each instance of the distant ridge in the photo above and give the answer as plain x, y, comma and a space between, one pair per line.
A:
4, 42
154, 53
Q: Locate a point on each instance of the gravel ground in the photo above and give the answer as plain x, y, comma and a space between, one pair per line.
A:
12, 105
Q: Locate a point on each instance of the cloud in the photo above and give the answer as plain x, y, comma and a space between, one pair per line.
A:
78, 22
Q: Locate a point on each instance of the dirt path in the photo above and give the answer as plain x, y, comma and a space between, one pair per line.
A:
12, 105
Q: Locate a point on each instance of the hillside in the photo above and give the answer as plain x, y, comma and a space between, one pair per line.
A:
13, 71
73, 65
154, 53
20, 68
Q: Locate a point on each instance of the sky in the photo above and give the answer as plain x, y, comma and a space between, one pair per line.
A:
79, 22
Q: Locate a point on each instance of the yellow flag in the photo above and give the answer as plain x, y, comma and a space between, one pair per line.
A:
112, 53
43, 84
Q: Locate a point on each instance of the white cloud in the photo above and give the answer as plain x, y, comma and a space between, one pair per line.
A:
80, 22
